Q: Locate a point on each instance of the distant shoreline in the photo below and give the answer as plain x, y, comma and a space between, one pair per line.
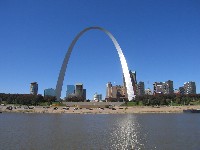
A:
116, 110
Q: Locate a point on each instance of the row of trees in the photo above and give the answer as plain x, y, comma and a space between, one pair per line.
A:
26, 99
170, 99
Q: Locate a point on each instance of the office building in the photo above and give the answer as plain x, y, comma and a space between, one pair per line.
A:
158, 88
181, 90
140, 88
108, 90
70, 90
168, 87
163, 87
189, 88
79, 90
133, 81
116, 92
49, 92
84, 94
34, 88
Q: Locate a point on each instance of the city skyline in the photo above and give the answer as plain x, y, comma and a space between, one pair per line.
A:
160, 40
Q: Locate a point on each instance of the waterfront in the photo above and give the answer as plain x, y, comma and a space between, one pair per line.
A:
98, 109
103, 131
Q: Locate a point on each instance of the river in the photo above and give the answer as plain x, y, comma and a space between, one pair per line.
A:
20, 131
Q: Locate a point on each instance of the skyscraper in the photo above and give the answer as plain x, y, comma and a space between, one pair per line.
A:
49, 92
34, 88
108, 90
163, 87
79, 90
70, 90
116, 92
168, 87
84, 94
140, 88
133, 81
182, 90
158, 88
189, 88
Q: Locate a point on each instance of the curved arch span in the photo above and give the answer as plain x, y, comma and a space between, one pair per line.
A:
124, 65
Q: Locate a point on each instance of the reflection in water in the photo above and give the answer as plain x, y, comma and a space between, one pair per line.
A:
126, 134
99, 132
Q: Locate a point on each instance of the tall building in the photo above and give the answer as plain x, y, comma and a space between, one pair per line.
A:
140, 88
168, 87
49, 92
158, 88
84, 94
118, 91
181, 90
70, 90
34, 88
79, 90
163, 87
133, 81
108, 90
115, 92
189, 88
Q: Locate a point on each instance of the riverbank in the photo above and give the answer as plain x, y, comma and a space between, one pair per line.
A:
114, 110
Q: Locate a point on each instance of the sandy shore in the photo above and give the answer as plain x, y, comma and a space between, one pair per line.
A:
118, 110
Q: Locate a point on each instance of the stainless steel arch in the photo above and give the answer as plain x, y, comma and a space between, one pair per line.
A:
124, 65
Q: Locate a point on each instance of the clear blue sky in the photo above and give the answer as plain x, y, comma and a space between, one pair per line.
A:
160, 40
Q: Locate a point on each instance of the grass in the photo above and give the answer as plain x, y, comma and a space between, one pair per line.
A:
128, 104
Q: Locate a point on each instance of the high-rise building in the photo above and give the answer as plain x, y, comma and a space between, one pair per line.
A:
118, 91
189, 88
79, 90
163, 87
133, 81
115, 92
84, 94
108, 90
70, 90
158, 88
49, 92
168, 87
181, 90
140, 88
34, 88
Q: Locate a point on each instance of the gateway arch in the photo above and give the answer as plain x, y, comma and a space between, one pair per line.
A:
124, 65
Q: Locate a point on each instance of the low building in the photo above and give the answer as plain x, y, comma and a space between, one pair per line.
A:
97, 97
148, 91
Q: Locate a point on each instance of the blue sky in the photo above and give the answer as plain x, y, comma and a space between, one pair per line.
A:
160, 40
